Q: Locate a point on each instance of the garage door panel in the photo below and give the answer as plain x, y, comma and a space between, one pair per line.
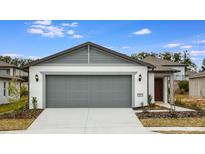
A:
88, 91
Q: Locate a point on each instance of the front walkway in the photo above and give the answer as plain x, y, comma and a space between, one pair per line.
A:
88, 121
177, 108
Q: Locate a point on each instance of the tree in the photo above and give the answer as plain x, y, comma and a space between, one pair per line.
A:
6, 59
203, 65
14, 91
19, 62
140, 55
177, 57
143, 55
188, 62
166, 56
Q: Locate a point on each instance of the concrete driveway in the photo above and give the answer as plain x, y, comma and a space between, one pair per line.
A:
88, 121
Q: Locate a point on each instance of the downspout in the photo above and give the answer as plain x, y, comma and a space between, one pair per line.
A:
88, 54
147, 85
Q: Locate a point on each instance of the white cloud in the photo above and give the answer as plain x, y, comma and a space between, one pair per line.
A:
46, 31
143, 31
109, 47
35, 31
186, 47
199, 41
14, 55
197, 52
70, 32
38, 26
172, 45
126, 47
53, 31
77, 36
72, 24
34, 57
43, 22
45, 28
195, 58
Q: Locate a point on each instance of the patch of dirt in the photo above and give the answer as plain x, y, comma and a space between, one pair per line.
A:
28, 114
156, 107
181, 132
177, 114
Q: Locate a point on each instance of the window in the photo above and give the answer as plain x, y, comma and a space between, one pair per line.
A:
4, 88
4, 71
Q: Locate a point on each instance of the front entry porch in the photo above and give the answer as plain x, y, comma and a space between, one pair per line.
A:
161, 87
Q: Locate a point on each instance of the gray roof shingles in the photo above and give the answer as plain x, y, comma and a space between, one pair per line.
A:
162, 65
161, 62
4, 64
197, 75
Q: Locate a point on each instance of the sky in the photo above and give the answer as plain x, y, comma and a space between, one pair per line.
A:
40, 38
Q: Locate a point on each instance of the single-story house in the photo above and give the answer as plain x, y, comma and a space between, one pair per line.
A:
90, 75
7, 73
197, 85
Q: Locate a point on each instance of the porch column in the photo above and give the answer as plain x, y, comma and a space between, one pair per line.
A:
171, 88
165, 89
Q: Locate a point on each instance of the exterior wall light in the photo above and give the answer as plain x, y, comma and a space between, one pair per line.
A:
36, 77
140, 78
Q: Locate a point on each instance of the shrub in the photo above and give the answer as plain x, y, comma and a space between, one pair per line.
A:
149, 100
14, 91
187, 104
184, 85
34, 102
23, 91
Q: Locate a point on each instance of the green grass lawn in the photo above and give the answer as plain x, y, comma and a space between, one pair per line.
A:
174, 122
15, 124
19, 120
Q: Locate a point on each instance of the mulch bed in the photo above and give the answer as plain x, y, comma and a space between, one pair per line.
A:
151, 108
177, 114
28, 114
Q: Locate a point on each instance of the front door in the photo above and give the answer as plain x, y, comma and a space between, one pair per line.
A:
158, 85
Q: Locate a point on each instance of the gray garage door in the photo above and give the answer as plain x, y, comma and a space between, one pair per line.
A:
88, 91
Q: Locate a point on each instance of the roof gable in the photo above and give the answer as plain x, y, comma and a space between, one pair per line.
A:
91, 47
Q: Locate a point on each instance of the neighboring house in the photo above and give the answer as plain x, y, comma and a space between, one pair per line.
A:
197, 85
7, 73
188, 74
90, 75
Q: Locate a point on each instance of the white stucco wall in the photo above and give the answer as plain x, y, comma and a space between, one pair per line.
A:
151, 85
179, 75
37, 88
